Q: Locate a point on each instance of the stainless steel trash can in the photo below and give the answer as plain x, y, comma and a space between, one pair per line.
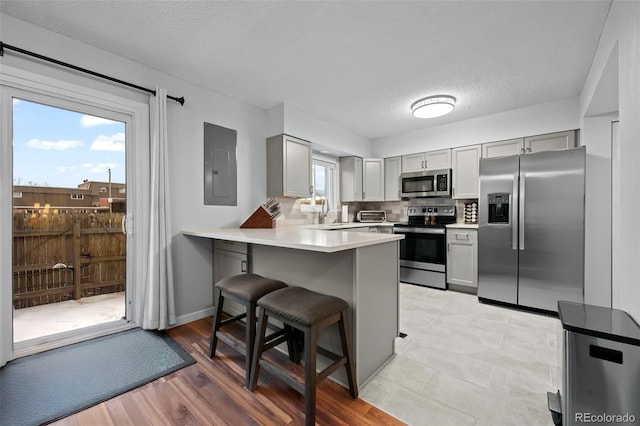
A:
601, 367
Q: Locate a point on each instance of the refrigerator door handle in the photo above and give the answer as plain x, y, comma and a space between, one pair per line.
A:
521, 201
513, 213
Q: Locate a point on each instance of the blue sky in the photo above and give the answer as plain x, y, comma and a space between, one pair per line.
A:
57, 147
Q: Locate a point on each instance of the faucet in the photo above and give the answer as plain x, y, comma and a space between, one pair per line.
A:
322, 215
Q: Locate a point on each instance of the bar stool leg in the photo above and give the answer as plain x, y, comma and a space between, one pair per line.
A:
310, 376
346, 350
250, 338
257, 350
213, 342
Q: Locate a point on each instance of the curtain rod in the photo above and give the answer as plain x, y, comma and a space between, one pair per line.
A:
4, 46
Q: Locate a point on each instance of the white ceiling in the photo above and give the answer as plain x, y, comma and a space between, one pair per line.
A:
357, 64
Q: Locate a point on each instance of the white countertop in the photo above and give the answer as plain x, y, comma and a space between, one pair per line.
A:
463, 225
297, 237
347, 225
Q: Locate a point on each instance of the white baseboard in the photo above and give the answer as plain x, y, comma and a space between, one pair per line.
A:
194, 316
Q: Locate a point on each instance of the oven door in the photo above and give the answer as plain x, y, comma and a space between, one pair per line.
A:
423, 256
422, 246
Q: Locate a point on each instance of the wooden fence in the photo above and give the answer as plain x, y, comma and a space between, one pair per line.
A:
66, 256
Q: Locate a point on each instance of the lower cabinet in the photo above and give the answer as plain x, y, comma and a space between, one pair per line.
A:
372, 228
462, 257
230, 258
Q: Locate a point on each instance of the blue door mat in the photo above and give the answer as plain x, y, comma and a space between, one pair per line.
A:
48, 386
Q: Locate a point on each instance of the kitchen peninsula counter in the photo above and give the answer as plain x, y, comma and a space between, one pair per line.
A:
327, 240
361, 268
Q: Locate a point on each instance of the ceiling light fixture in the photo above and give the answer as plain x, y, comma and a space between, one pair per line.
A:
433, 106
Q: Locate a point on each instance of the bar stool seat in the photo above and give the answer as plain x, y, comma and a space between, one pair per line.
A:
245, 289
308, 312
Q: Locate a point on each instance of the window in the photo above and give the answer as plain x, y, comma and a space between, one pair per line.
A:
17, 194
122, 190
77, 196
103, 189
324, 186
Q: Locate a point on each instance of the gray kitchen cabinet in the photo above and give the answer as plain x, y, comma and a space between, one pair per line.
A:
530, 144
350, 179
356, 229
289, 171
432, 160
502, 148
462, 257
413, 162
550, 141
230, 258
374, 229
392, 170
465, 162
384, 229
373, 179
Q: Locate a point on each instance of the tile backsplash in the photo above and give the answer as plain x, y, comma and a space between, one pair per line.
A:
290, 214
396, 210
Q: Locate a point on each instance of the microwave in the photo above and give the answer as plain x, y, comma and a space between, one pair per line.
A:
428, 183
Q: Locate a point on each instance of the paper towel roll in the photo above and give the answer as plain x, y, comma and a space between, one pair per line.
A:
345, 214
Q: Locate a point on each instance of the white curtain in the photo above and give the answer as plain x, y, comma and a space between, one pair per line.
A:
154, 302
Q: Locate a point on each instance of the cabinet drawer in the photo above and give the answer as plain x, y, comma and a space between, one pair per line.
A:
234, 246
462, 235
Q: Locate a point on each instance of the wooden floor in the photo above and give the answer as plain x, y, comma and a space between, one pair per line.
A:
212, 392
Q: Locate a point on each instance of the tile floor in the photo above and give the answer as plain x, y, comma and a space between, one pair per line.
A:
468, 363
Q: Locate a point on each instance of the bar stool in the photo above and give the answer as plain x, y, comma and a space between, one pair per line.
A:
245, 289
309, 312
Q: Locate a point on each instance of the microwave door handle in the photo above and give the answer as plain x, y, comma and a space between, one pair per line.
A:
521, 209
513, 212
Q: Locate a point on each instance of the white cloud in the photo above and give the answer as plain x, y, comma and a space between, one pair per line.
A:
109, 143
86, 165
64, 169
103, 167
16, 101
90, 121
57, 146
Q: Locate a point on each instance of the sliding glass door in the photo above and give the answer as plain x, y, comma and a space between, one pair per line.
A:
67, 265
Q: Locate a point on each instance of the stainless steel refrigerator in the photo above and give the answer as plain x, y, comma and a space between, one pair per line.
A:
531, 228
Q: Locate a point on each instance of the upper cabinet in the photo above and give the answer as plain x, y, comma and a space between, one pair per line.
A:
361, 179
350, 179
288, 167
466, 169
392, 170
550, 141
413, 162
502, 148
547, 142
432, 160
373, 179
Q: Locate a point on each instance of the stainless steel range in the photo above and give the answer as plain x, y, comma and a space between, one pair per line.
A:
423, 254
